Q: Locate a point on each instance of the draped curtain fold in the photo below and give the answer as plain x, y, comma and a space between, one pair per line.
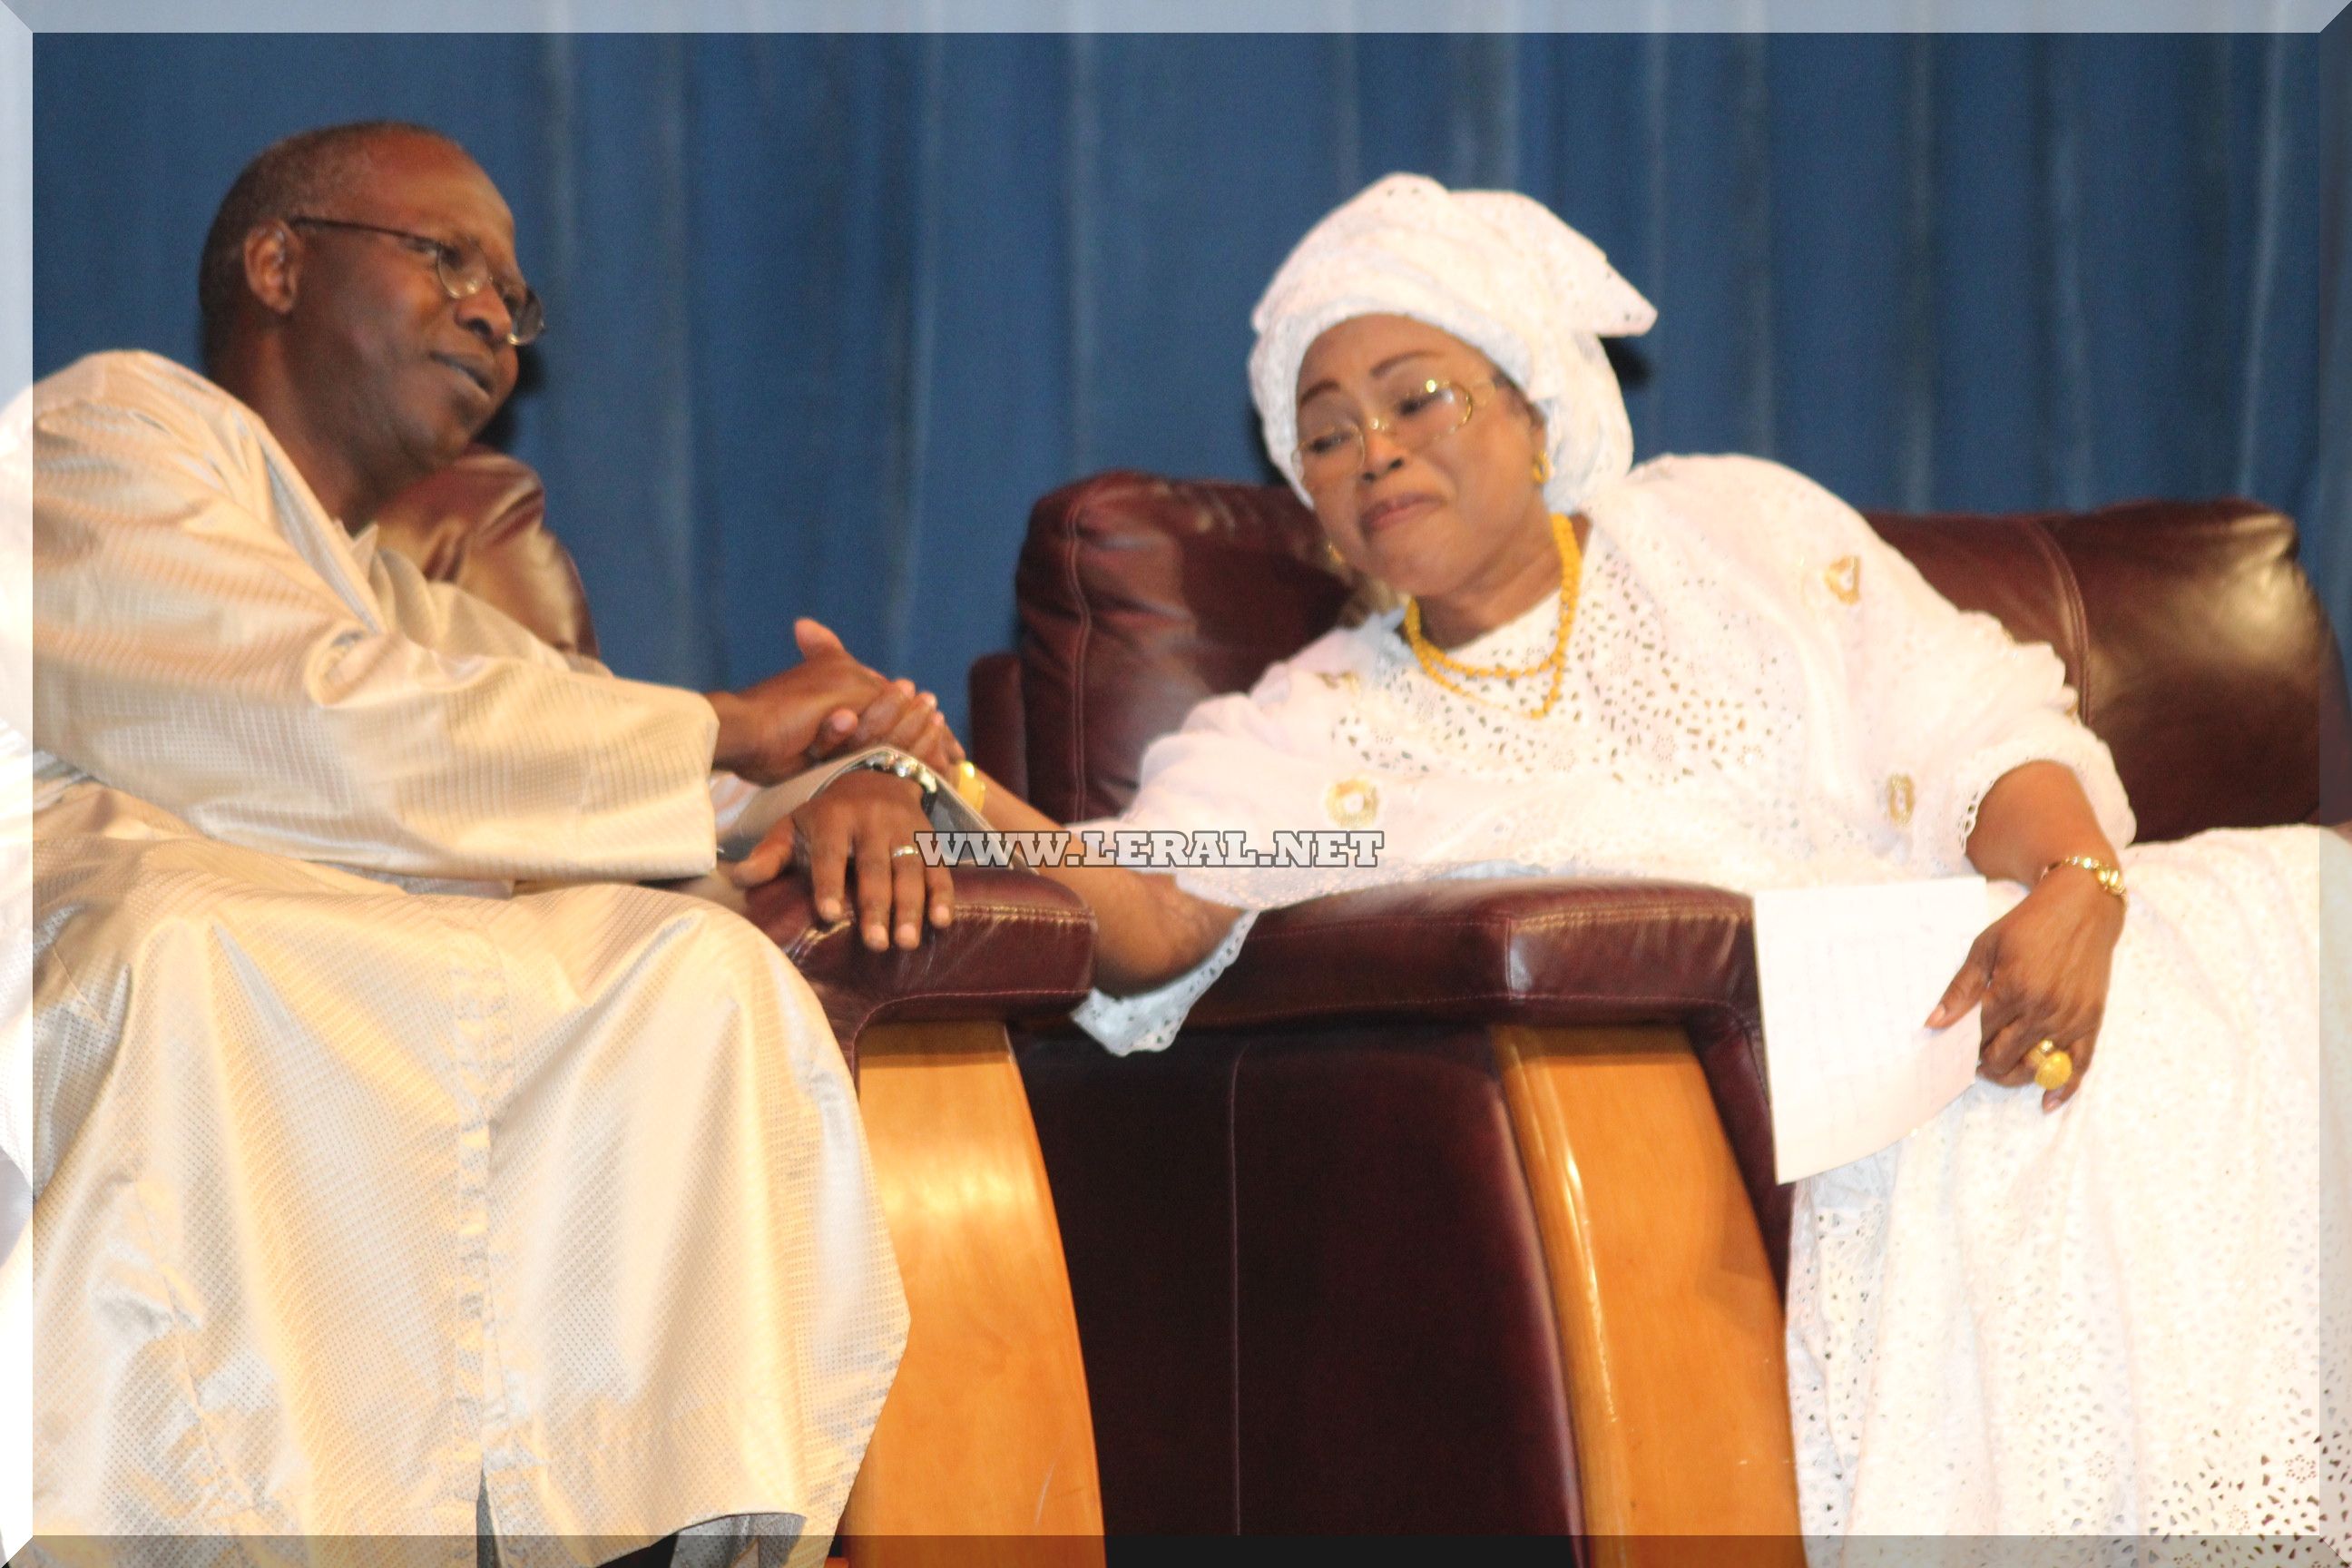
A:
828, 313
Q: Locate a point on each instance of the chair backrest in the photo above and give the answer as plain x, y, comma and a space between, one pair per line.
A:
481, 524
2198, 648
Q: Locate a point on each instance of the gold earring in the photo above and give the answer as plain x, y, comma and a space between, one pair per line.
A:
1543, 467
1332, 558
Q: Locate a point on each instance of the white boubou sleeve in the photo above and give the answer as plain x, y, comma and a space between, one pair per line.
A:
1943, 701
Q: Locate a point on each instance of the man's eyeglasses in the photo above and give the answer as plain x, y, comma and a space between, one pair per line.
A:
1332, 445
463, 270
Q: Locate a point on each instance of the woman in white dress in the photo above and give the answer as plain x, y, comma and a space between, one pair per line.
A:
2108, 1291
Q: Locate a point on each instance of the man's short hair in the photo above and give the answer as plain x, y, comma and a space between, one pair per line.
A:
307, 170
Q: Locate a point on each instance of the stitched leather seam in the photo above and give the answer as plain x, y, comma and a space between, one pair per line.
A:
1081, 647
2070, 605
812, 938
881, 1010
1614, 914
977, 994
1618, 916
1358, 1006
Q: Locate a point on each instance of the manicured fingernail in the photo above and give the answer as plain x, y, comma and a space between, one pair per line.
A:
909, 935
942, 914
876, 938
829, 909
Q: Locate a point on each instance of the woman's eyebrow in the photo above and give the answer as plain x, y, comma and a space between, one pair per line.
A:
1394, 360
1382, 369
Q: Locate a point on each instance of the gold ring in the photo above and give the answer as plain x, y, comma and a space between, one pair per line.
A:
903, 850
2052, 1067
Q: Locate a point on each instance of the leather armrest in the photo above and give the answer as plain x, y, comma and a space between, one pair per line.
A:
1020, 945
1539, 950
1545, 951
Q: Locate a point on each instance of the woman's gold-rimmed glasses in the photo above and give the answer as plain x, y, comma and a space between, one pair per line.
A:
1333, 445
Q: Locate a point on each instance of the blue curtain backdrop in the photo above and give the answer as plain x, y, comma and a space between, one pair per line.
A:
830, 312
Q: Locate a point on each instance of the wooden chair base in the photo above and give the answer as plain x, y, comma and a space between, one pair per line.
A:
1671, 1328
984, 1454
1669, 1321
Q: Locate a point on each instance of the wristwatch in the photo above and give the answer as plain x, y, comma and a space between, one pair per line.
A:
890, 760
947, 806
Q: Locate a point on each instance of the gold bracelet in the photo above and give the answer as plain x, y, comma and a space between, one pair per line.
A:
970, 787
2110, 878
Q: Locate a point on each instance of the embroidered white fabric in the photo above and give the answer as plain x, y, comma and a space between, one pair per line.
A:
2133, 1317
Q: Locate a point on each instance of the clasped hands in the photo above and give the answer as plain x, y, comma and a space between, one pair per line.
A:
861, 823
2040, 972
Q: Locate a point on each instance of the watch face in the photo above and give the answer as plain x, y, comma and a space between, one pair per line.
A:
891, 760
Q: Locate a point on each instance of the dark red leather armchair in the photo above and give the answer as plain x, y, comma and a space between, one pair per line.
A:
986, 1433
1453, 1208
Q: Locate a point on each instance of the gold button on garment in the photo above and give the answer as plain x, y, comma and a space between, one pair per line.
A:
1843, 577
1900, 797
1352, 802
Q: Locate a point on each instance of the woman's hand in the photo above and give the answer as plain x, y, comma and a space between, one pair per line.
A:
865, 820
898, 716
2041, 970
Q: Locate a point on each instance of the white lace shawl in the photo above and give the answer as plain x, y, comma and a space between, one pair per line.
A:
1762, 693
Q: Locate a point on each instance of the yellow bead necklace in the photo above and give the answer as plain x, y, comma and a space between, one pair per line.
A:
1436, 662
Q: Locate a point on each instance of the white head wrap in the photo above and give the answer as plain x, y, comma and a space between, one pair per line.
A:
1494, 268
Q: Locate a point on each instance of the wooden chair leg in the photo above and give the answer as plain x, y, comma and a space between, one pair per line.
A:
985, 1453
1670, 1325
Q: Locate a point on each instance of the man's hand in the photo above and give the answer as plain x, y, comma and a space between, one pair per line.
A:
766, 731
867, 820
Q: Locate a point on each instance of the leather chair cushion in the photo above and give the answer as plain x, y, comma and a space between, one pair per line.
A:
999, 741
481, 524
1305, 1372
1021, 947
2197, 648
1138, 597
1539, 950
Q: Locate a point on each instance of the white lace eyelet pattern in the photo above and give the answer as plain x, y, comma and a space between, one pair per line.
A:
2127, 1326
